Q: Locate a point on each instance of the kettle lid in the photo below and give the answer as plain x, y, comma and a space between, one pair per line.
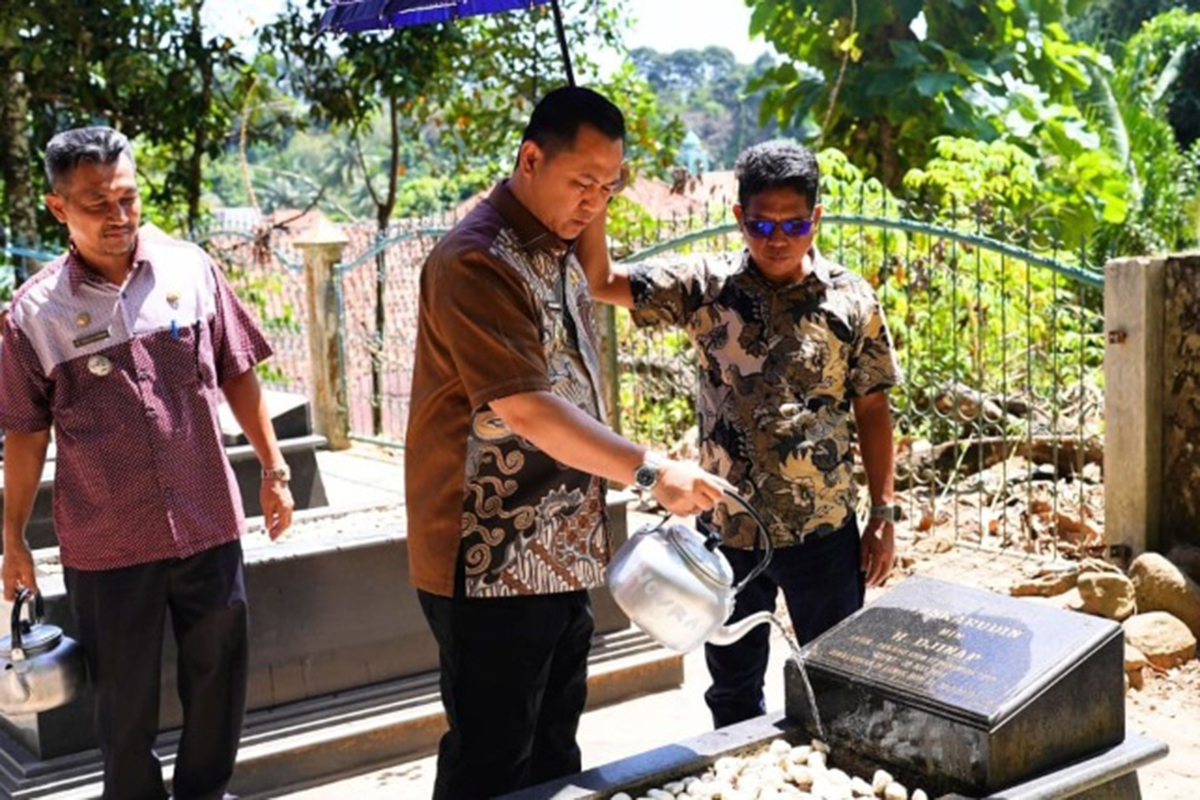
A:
34, 639
709, 563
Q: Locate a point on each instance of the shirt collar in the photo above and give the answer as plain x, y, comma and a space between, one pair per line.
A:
818, 272
79, 273
532, 234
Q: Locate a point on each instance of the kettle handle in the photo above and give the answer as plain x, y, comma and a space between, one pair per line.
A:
36, 613
763, 535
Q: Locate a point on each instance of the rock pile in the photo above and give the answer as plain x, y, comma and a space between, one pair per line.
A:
1157, 602
779, 771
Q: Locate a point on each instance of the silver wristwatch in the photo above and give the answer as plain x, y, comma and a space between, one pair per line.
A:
888, 513
282, 474
646, 476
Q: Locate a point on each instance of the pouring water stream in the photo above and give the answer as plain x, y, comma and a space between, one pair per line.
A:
797, 653
798, 657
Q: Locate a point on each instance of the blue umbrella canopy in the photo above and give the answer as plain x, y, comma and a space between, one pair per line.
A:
352, 16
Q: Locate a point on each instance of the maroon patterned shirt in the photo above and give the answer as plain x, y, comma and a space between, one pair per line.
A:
129, 377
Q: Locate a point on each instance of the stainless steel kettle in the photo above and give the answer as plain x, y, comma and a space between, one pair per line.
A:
40, 667
678, 587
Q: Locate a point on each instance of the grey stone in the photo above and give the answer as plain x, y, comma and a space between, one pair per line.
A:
1163, 638
1046, 583
1107, 594
1162, 586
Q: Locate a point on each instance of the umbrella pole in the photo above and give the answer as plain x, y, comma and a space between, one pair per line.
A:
562, 41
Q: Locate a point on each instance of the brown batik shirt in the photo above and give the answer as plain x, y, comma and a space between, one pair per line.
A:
504, 310
779, 367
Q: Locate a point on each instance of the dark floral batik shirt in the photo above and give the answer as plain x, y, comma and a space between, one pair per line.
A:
779, 367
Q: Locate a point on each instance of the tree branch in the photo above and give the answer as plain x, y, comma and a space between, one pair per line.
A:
362, 163
837, 86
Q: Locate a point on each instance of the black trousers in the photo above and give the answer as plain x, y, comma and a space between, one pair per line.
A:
822, 584
121, 615
514, 682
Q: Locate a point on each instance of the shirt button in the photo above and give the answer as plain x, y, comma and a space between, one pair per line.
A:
143, 375
151, 413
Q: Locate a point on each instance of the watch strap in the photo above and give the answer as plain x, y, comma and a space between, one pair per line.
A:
278, 474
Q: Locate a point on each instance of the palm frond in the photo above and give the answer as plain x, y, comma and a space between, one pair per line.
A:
1170, 73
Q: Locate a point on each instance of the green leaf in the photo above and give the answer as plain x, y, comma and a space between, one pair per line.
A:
983, 71
1170, 72
763, 14
932, 84
908, 54
887, 83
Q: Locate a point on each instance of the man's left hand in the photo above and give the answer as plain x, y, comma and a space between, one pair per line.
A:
878, 551
277, 505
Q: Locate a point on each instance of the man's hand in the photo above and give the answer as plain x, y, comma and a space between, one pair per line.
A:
18, 570
878, 551
24, 457
277, 505
685, 489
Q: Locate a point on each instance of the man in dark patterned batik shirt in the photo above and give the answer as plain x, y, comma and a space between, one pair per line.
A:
790, 344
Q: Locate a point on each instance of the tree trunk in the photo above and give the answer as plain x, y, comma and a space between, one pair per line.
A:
195, 174
383, 218
377, 389
890, 158
15, 166
965, 457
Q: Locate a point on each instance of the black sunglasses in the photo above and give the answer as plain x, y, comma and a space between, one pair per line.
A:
765, 228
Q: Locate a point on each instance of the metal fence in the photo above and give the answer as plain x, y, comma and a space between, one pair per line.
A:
999, 328
380, 337
267, 272
266, 269
999, 422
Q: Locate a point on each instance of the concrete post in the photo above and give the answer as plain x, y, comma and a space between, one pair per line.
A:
322, 246
1133, 402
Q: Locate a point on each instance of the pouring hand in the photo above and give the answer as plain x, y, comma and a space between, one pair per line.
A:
878, 551
685, 489
18, 572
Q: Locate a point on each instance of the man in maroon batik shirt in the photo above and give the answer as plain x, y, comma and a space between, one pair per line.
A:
124, 345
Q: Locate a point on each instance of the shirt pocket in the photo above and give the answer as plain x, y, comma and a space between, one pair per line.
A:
175, 355
95, 396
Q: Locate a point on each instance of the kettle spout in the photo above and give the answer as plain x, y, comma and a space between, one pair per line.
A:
728, 634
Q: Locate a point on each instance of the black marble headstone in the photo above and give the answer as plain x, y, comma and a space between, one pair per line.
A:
962, 689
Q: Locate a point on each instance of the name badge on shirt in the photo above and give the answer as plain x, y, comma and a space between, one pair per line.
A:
99, 366
92, 338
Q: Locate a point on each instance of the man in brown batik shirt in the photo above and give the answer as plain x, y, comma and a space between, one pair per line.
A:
508, 456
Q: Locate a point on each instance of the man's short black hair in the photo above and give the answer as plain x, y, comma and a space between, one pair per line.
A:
777, 164
96, 145
560, 114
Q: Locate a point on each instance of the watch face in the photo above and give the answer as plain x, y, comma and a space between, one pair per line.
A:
645, 476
